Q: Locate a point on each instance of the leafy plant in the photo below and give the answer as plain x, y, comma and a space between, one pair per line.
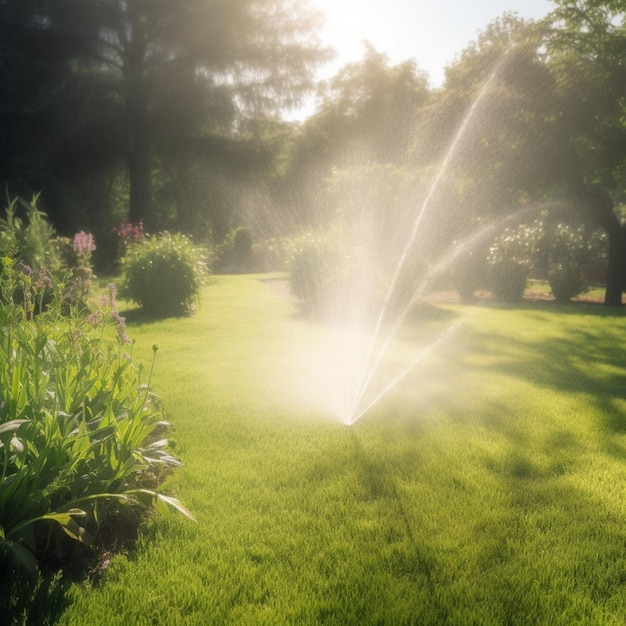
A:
314, 268
236, 253
510, 258
30, 239
334, 281
164, 273
78, 425
508, 280
566, 281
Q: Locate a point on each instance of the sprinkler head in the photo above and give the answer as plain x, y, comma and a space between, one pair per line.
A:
348, 420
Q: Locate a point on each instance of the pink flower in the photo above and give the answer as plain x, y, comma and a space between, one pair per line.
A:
83, 244
129, 233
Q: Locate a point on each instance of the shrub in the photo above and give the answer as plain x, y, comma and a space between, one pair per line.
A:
508, 279
566, 281
77, 428
469, 274
236, 252
509, 259
312, 275
164, 273
335, 282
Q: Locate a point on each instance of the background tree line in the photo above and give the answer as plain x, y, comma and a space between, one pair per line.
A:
171, 113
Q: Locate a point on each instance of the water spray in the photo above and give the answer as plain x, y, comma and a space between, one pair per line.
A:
420, 357
368, 370
434, 272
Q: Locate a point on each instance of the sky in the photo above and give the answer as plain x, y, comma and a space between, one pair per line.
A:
432, 32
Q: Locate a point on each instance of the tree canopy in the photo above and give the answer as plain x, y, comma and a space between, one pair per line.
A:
156, 110
133, 75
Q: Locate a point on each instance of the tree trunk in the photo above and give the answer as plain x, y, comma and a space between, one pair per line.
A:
138, 118
599, 206
615, 274
139, 174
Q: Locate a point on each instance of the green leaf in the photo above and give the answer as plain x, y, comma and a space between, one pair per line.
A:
21, 559
69, 525
165, 505
11, 426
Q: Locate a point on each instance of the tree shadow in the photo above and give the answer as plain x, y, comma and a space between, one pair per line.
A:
588, 363
574, 307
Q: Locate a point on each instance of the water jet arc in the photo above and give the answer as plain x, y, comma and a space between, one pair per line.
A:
374, 356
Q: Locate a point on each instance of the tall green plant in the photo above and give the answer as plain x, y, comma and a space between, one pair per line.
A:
78, 425
29, 238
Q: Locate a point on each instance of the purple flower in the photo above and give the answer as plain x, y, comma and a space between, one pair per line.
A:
83, 243
120, 322
112, 295
41, 279
25, 268
94, 318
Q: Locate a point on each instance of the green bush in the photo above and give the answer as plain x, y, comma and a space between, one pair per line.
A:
164, 273
236, 253
508, 280
469, 274
566, 281
77, 426
313, 277
335, 282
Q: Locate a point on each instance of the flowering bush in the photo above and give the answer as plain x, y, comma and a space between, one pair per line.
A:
129, 233
163, 274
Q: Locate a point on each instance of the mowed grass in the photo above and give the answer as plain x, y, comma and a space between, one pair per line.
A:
488, 488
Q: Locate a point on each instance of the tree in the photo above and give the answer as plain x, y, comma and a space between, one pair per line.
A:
495, 108
586, 48
366, 113
551, 126
172, 70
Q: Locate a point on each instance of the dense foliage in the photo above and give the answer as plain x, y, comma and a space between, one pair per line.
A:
236, 253
123, 111
79, 425
164, 273
102, 91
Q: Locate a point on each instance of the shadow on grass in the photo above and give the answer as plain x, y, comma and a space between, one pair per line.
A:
415, 559
43, 600
537, 546
573, 307
585, 356
139, 316
39, 603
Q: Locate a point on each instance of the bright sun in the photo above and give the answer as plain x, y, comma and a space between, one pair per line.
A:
432, 32
403, 29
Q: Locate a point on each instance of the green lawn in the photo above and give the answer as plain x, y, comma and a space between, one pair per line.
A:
488, 488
